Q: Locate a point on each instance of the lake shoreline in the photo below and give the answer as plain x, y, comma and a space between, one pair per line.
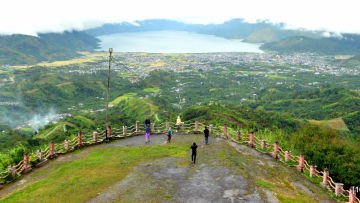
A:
174, 42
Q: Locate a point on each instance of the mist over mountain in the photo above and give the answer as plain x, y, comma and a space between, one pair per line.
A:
274, 36
25, 49
236, 28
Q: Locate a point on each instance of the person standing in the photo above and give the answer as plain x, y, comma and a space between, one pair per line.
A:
169, 134
193, 152
206, 134
147, 130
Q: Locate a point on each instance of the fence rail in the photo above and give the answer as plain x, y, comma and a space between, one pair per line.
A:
56, 149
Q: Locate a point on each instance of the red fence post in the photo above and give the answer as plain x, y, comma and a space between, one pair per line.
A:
301, 164
276, 150
124, 131
312, 171
196, 126
108, 132
352, 195
226, 131
66, 145
26, 163
325, 181
339, 189
137, 126
95, 135
80, 143
251, 139
52, 149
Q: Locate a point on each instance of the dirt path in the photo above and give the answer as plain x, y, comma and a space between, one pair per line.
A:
224, 172
219, 176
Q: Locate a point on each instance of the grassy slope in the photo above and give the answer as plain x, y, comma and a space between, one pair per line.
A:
100, 167
336, 124
130, 103
25, 49
347, 45
90, 175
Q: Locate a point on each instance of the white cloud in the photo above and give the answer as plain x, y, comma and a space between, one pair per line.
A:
33, 16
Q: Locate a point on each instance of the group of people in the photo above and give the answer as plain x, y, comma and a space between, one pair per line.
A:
148, 130
193, 147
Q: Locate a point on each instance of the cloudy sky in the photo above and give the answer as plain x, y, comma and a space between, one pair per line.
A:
33, 16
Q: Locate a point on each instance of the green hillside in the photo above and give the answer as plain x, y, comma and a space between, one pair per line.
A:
348, 44
259, 32
275, 99
297, 135
23, 49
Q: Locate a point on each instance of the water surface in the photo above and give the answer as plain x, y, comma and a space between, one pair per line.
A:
173, 42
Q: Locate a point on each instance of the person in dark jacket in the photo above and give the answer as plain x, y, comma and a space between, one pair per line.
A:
169, 134
193, 152
147, 130
206, 134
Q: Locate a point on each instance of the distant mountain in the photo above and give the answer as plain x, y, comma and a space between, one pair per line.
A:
259, 32
347, 44
275, 36
24, 49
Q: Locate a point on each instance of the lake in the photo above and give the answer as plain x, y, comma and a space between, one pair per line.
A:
173, 42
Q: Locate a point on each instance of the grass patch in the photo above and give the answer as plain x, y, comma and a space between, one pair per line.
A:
294, 199
152, 90
92, 174
264, 184
336, 124
124, 97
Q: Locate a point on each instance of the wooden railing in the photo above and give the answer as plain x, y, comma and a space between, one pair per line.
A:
287, 158
42, 156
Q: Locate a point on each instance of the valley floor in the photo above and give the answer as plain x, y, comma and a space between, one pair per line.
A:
128, 171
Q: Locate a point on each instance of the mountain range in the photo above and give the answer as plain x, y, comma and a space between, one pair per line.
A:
259, 32
24, 49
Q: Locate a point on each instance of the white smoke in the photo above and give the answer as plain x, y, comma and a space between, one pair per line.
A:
38, 121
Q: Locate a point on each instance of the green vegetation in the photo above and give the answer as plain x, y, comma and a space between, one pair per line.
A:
264, 184
336, 124
347, 44
275, 98
92, 174
260, 32
123, 98
24, 49
152, 90
97, 170
327, 148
